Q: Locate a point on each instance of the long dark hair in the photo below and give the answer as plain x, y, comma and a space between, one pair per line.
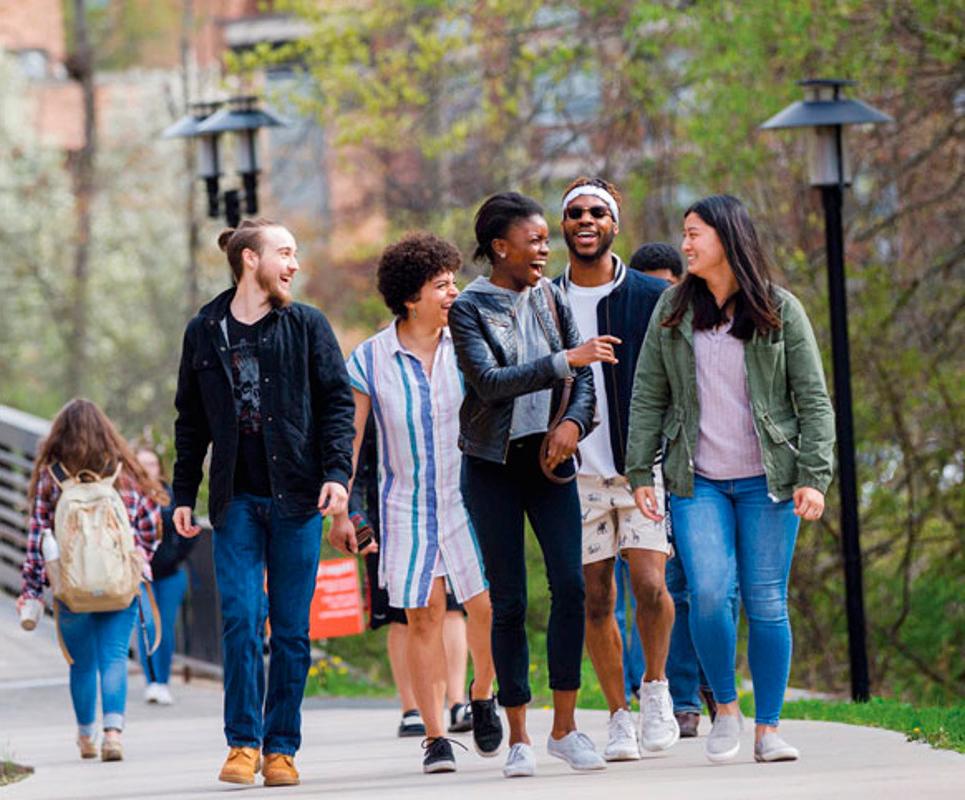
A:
81, 437
755, 308
495, 216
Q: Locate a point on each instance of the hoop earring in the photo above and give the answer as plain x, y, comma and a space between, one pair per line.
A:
415, 313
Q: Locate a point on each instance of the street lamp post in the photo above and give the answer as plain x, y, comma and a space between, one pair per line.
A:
206, 122
826, 112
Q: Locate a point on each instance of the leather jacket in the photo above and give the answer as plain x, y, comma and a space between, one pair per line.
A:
484, 336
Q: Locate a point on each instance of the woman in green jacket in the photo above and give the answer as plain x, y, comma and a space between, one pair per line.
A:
730, 378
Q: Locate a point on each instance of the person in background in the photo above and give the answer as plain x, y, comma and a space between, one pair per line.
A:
406, 375
688, 684
731, 387
169, 586
517, 356
363, 507
658, 260
83, 443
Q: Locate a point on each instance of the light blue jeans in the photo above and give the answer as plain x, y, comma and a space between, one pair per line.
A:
98, 642
168, 593
732, 528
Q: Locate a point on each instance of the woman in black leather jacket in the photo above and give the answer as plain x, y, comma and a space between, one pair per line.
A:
515, 353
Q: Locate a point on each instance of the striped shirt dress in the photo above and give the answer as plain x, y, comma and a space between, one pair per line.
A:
425, 527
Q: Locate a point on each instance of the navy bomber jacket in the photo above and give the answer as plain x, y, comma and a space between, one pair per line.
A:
624, 313
306, 402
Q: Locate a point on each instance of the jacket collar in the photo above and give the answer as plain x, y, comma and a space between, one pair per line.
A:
619, 274
217, 309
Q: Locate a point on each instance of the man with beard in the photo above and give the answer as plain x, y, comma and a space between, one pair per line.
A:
609, 299
263, 380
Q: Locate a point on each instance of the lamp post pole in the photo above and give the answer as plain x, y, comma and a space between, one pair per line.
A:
833, 199
824, 112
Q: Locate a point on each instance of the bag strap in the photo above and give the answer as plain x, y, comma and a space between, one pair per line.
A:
59, 474
60, 636
565, 395
155, 615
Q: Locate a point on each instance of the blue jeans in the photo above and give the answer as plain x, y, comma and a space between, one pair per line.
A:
253, 538
732, 529
168, 592
98, 643
496, 497
633, 660
684, 672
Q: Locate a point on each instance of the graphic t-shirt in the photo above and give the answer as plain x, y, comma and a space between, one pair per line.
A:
251, 468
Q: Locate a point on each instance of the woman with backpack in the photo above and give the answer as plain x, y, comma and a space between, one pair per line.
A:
730, 384
94, 524
170, 582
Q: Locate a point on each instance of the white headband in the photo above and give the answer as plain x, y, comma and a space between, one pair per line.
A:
594, 191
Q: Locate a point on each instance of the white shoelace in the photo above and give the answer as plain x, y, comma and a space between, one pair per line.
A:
657, 703
516, 754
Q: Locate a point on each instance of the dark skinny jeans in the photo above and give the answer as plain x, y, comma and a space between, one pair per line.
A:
496, 496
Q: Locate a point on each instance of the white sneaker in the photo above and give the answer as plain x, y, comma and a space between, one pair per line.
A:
622, 738
520, 762
163, 694
150, 693
577, 750
658, 726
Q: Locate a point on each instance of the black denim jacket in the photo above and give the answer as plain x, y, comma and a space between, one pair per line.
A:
306, 404
485, 340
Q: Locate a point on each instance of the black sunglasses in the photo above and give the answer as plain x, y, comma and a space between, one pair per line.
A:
597, 212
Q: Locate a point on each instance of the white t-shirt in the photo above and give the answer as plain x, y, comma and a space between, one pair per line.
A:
596, 450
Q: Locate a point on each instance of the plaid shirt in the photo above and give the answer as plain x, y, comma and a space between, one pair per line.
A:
144, 513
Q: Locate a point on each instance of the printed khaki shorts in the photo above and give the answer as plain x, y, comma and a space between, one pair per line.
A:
612, 522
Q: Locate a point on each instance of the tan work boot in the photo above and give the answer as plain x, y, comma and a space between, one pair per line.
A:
241, 765
280, 770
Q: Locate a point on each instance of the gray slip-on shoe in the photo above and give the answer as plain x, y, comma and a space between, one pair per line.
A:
772, 747
724, 741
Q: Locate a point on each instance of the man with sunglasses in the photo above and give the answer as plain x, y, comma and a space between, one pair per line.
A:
608, 298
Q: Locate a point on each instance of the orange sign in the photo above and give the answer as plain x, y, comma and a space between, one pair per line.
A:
337, 603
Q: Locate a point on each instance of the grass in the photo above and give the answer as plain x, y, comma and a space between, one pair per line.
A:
942, 727
11, 772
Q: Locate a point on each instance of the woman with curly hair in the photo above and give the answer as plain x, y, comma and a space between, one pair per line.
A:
407, 376
83, 443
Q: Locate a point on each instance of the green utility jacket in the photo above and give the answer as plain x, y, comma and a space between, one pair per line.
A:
792, 412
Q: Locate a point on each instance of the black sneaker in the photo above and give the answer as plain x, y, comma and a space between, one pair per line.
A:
438, 757
412, 724
487, 729
460, 718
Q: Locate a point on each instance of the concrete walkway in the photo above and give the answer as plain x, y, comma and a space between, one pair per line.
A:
350, 751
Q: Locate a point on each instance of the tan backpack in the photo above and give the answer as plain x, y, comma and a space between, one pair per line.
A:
100, 565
